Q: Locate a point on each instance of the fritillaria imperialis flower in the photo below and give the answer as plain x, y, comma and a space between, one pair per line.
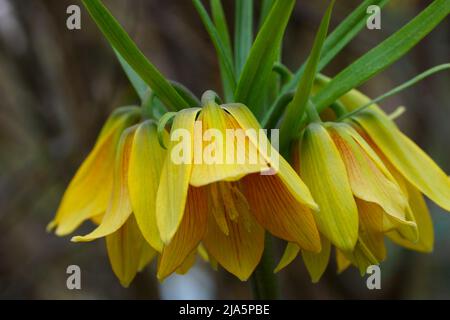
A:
228, 206
373, 176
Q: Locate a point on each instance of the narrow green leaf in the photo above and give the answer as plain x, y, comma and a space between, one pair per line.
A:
221, 24
121, 42
340, 37
383, 55
266, 6
399, 88
263, 54
138, 84
291, 123
187, 94
224, 54
243, 33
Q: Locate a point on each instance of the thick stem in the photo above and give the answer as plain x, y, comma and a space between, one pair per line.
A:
264, 281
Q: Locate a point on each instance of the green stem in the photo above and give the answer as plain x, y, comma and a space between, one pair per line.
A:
264, 280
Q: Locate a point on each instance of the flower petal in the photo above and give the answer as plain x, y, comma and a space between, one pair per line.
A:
119, 208
89, 191
228, 154
422, 217
341, 261
292, 181
188, 235
279, 212
323, 171
367, 181
412, 162
240, 251
175, 176
146, 162
125, 249
316, 263
289, 255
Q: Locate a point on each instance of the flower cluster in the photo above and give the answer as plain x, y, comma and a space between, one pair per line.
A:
355, 182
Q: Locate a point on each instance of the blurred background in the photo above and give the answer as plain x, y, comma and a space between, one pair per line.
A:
58, 86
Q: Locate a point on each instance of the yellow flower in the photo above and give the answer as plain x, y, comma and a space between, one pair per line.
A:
88, 194
359, 199
413, 169
126, 215
387, 174
227, 206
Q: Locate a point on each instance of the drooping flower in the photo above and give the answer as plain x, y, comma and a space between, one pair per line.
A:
226, 205
359, 199
88, 194
127, 219
413, 169
400, 160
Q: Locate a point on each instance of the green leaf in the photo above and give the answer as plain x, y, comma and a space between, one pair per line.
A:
224, 54
138, 84
264, 52
266, 6
339, 38
383, 55
397, 89
221, 24
187, 94
243, 33
121, 42
291, 123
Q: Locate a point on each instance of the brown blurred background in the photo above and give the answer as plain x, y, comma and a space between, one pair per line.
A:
58, 86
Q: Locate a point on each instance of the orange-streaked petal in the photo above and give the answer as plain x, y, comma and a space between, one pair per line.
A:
188, 236
411, 161
367, 181
89, 191
291, 180
240, 251
119, 208
227, 154
279, 212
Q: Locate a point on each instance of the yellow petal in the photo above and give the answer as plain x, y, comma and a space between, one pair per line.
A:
119, 208
89, 191
187, 264
125, 248
175, 176
423, 220
240, 251
188, 236
341, 261
367, 181
289, 255
323, 171
289, 177
207, 257
147, 255
146, 161
279, 212
316, 263
227, 154
412, 162
377, 220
